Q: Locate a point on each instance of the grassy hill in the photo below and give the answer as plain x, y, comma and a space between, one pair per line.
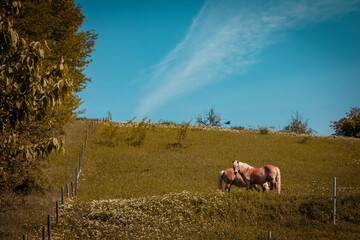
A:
159, 188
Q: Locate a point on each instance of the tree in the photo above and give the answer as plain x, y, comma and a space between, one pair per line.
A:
209, 118
348, 126
29, 93
58, 22
298, 125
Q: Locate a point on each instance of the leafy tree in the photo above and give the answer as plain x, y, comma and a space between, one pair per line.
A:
298, 125
29, 93
348, 126
58, 23
210, 118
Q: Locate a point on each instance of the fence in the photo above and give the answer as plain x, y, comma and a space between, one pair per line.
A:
68, 192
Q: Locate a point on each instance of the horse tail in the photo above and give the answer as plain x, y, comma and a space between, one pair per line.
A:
220, 179
278, 180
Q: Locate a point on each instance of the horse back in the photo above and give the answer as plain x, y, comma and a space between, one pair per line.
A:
228, 175
271, 170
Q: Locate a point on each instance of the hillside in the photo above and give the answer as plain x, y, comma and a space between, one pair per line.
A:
158, 188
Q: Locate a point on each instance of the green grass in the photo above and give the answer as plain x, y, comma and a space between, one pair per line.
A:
155, 168
162, 190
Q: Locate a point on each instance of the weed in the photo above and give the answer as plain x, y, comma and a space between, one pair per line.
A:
140, 132
110, 134
264, 131
182, 132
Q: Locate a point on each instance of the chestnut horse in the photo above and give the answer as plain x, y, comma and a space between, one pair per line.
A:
251, 176
230, 178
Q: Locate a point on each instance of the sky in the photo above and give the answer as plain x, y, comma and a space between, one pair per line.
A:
255, 62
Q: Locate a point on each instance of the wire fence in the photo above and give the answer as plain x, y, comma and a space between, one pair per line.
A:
71, 189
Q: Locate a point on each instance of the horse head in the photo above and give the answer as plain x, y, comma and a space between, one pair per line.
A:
236, 167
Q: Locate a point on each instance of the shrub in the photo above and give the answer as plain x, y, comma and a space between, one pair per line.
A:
264, 131
348, 126
140, 132
298, 125
110, 134
182, 132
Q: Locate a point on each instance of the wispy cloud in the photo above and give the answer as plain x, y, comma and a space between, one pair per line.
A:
225, 38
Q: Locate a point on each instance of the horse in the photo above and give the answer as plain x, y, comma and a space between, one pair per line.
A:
230, 178
251, 176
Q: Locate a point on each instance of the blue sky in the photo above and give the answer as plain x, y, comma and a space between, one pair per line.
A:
256, 62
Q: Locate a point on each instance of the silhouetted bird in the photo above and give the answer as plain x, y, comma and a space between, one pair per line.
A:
228, 122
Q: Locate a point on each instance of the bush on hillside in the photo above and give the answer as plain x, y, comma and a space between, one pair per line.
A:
264, 131
348, 126
139, 132
182, 132
110, 134
298, 125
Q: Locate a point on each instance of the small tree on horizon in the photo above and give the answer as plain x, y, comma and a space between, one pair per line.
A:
297, 124
348, 126
210, 118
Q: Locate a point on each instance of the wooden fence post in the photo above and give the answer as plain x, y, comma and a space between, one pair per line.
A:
80, 159
49, 227
67, 190
86, 138
57, 211
43, 232
72, 189
334, 200
82, 152
76, 181
62, 195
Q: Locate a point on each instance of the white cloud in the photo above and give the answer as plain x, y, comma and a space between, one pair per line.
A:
225, 38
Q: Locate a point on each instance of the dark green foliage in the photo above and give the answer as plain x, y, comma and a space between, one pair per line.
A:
298, 125
348, 126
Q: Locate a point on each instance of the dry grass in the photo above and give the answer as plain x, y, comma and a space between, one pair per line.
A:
32, 211
151, 171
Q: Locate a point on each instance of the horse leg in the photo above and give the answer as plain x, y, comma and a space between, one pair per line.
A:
254, 186
273, 184
227, 187
247, 184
